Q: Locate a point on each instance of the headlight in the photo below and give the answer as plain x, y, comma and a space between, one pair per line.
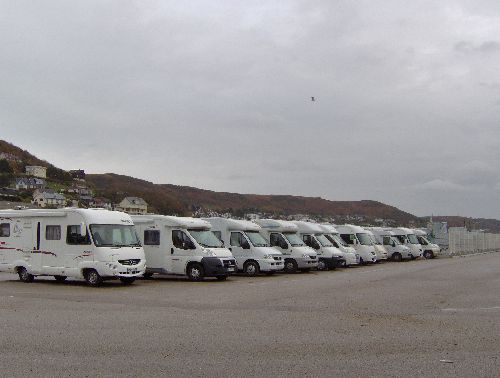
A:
210, 253
268, 257
305, 255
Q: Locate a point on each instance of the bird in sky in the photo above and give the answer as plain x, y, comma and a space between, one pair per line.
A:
313, 99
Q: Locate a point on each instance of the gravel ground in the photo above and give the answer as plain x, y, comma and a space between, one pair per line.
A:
436, 318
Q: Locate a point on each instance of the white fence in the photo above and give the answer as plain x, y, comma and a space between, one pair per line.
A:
463, 242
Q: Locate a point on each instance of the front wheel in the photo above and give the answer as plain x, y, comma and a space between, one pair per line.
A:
251, 268
93, 278
397, 257
24, 276
290, 266
60, 278
195, 272
127, 280
322, 264
428, 255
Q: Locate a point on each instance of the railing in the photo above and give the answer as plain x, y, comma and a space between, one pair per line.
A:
463, 242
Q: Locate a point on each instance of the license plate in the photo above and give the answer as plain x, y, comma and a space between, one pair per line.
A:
130, 270
230, 269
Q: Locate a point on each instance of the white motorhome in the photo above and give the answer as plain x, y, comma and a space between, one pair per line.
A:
396, 250
252, 252
283, 236
380, 250
407, 237
350, 254
93, 244
329, 257
360, 240
183, 246
430, 250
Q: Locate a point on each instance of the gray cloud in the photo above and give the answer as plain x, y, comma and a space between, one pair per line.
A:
217, 95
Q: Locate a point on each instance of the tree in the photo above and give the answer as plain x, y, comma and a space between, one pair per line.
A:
5, 167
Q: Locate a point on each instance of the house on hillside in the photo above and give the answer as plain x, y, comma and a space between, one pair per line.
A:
9, 157
77, 174
80, 189
133, 205
30, 183
36, 171
8, 193
48, 198
103, 203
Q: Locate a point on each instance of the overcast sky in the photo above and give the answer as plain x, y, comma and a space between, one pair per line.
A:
217, 95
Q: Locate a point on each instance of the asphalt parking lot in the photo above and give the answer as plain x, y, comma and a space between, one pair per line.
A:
437, 318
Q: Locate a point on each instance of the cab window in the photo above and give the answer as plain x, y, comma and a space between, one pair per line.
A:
4, 230
236, 239
74, 235
347, 238
277, 240
181, 240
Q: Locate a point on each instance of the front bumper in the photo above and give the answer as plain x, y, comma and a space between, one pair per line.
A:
116, 269
307, 263
271, 265
215, 266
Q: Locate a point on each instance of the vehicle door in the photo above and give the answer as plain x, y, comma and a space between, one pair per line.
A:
239, 247
153, 249
278, 241
51, 249
33, 250
311, 241
5, 245
182, 251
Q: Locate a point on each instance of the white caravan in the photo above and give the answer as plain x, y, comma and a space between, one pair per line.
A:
380, 250
329, 257
252, 252
430, 250
408, 238
350, 254
184, 246
396, 250
360, 240
93, 244
283, 236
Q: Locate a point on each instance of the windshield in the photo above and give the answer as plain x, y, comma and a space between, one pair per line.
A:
293, 239
323, 240
339, 240
374, 240
206, 238
364, 239
413, 239
114, 235
256, 239
402, 238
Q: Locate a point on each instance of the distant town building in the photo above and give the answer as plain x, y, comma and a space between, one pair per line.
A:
77, 174
30, 183
133, 205
8, 193
36, 170
79, 189
103, 203
9, 157
48, 198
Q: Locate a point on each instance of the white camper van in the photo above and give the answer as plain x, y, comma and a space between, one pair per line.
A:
380, 250
252, 252
184, 246
396, 250
93, 244
360, 240
283, 236
408, 238
430, 250
329, 257
350, 254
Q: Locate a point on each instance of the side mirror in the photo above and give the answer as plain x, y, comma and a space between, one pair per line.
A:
315, 245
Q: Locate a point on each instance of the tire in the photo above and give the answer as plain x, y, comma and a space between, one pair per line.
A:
195, 272
322, 264
428, 255
93, 278
60, 278
251, 268
397, 257
290, 266
147, 276
127, 280
221, 278
361, 261
24, 276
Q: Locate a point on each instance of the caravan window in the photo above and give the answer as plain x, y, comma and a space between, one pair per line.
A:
74, 235
5, 230
52, 232
151, 237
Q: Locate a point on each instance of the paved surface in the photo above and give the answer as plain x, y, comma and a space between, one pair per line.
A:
388, 320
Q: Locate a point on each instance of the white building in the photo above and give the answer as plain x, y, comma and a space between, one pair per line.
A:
36, 170
133, 205
48, 198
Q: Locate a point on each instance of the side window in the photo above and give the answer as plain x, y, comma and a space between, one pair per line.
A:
74, 236
308, 240
52, 232
236, 239
151, 237
181, 240
277, 240
4, 230
387, 240
347, 238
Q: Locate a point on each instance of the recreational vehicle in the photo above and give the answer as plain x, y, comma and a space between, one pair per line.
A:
358, 238
283, 236
252, 252
93, 244
430, 250
380, 250
396, 250
183, 246
329, 257
350, 254
408, 238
